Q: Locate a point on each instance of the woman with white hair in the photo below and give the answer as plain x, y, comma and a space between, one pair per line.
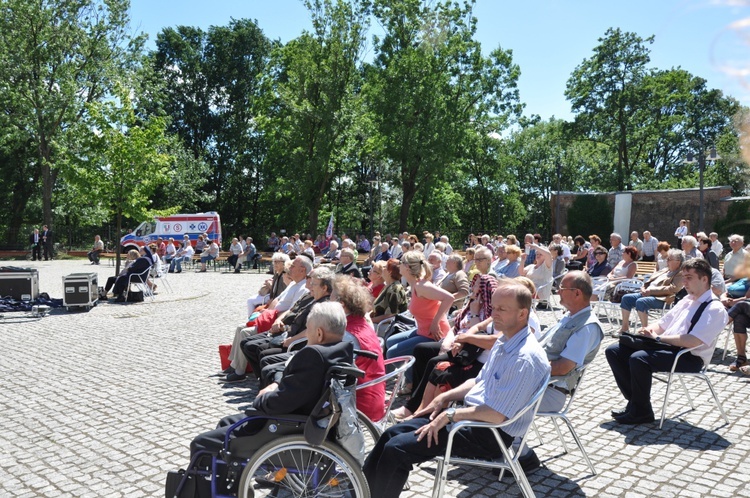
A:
690, 247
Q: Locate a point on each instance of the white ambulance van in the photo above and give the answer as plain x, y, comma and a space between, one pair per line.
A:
175, 226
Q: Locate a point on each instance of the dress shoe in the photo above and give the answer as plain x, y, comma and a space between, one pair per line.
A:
529, 463
235, 377
621, 412
629, 419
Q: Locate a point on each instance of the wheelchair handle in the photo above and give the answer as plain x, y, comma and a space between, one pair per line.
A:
346, 370
366, 354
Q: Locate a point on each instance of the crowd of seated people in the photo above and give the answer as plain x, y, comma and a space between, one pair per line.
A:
450, 297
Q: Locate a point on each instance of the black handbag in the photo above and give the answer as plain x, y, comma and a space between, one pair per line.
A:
642, 342
468, 354
401, 323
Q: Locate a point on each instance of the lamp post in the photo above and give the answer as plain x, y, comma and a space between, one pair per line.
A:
372, 180
701, 160
558, 166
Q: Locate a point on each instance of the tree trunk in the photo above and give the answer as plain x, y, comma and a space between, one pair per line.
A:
119, 246
403, 218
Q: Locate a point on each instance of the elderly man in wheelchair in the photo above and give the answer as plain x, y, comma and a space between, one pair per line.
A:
290, 442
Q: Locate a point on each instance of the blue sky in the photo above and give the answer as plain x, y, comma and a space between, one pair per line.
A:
549, 38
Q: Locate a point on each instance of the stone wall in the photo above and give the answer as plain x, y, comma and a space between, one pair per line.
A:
658, 211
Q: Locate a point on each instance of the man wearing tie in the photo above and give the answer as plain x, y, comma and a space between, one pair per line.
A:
36, 245
47, 242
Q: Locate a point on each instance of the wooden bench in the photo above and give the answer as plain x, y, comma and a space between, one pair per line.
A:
19, 254
645, 268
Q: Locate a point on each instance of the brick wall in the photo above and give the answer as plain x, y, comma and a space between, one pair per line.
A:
658, 211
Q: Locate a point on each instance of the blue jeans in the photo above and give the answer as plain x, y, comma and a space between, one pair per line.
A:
176, 263
641, 304
402, 344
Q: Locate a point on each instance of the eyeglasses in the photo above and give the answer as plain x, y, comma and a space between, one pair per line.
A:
600, 254
481, 259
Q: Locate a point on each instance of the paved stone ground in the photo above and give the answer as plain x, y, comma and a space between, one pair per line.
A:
104, 403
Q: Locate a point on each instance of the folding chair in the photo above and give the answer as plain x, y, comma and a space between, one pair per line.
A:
563, 414
400, 364
141, 284
508, 461
701, 375
730, 332
159, 272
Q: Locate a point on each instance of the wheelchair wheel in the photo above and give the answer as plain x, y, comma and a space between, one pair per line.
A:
370, 430
290, 467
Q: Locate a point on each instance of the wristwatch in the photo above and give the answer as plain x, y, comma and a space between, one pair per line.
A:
450, 413
658, 339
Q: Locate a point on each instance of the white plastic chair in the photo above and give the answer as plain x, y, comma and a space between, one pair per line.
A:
509, 460
563, 414
701, 375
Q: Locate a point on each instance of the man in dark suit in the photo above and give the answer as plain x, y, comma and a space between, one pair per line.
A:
47, 242
138, 267
348, 264
35, 239
301, 385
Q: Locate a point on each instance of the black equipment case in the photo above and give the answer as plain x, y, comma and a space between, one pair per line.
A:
19, 283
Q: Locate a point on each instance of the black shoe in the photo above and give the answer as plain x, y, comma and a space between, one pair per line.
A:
228, 370
237, 271
529, 462
170, 271
178, 271
629, 419
235, 377
621, 412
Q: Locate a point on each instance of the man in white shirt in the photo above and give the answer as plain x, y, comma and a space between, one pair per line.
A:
734, 259
565, 256
716, 246
690, 324
650, 247
185, 253
636, 242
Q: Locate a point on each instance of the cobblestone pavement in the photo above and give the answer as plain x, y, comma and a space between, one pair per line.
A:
104, 403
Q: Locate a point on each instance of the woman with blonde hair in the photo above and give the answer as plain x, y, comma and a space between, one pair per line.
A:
429, 244
512, 269
429, 305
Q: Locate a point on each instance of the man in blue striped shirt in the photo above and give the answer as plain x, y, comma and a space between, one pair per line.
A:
516, 370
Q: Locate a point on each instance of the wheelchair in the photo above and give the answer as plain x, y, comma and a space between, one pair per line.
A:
287, 456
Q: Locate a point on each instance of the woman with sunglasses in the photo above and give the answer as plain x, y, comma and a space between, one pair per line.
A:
600, 268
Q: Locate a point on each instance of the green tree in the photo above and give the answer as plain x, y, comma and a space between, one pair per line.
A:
428, 83
207, 83
311, 108
127, 158
606, 96
56, 58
